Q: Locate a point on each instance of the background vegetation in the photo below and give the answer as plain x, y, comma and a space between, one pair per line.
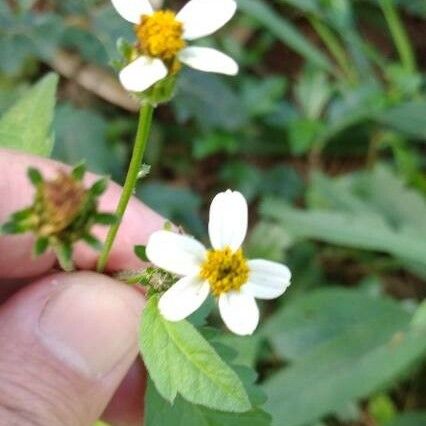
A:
324, 132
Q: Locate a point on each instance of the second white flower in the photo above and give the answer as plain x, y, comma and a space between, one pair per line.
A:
223, 270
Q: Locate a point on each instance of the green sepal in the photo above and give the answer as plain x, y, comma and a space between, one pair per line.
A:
105, 218
11, 228
22, 215
160, 93
99, 187
79, 171
92, 241
40, 246
64, 254
140, 251
126, 49
34, 176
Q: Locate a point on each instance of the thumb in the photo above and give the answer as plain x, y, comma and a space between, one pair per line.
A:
66, 343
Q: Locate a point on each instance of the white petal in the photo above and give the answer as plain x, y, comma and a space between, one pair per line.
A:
142, 73
228, 220
204, 17
183, 298
239, 312
208, 60
267, 280
175, 253
132, 10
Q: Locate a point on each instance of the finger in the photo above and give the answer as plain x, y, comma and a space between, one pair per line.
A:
16, 260
67, 342
127, 405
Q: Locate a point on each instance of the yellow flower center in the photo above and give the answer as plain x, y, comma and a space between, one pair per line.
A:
160, 35
225, 270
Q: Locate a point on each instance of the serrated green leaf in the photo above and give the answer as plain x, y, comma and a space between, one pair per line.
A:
159, 412
181, 361
27, 125
348, 351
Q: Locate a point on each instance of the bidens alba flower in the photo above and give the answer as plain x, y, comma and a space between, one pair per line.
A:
162, 40
223, 270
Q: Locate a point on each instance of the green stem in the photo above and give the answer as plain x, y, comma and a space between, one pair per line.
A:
335, 48
142, 135
399, 35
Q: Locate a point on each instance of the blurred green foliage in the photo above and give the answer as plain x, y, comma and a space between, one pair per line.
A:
323, 130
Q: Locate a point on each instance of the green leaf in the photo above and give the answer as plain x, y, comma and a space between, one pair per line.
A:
267, 241
419, 317
326, 315
89, 144
410, 418
284, 31
407, 118
369, 211
159, 413
27, 125
180, 205
345, 345
180, 361
209, 100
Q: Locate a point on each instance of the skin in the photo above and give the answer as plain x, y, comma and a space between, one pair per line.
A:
68, 341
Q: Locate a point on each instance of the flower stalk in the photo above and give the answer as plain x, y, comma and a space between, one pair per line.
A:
142, 136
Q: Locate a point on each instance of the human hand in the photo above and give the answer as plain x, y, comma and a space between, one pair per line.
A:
68, 341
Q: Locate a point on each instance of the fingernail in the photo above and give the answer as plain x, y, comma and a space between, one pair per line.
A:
90, 322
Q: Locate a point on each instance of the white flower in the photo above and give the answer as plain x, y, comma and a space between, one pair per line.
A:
223, 270
162, 37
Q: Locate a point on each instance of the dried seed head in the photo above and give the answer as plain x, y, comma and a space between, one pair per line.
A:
62, 213
59, 201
